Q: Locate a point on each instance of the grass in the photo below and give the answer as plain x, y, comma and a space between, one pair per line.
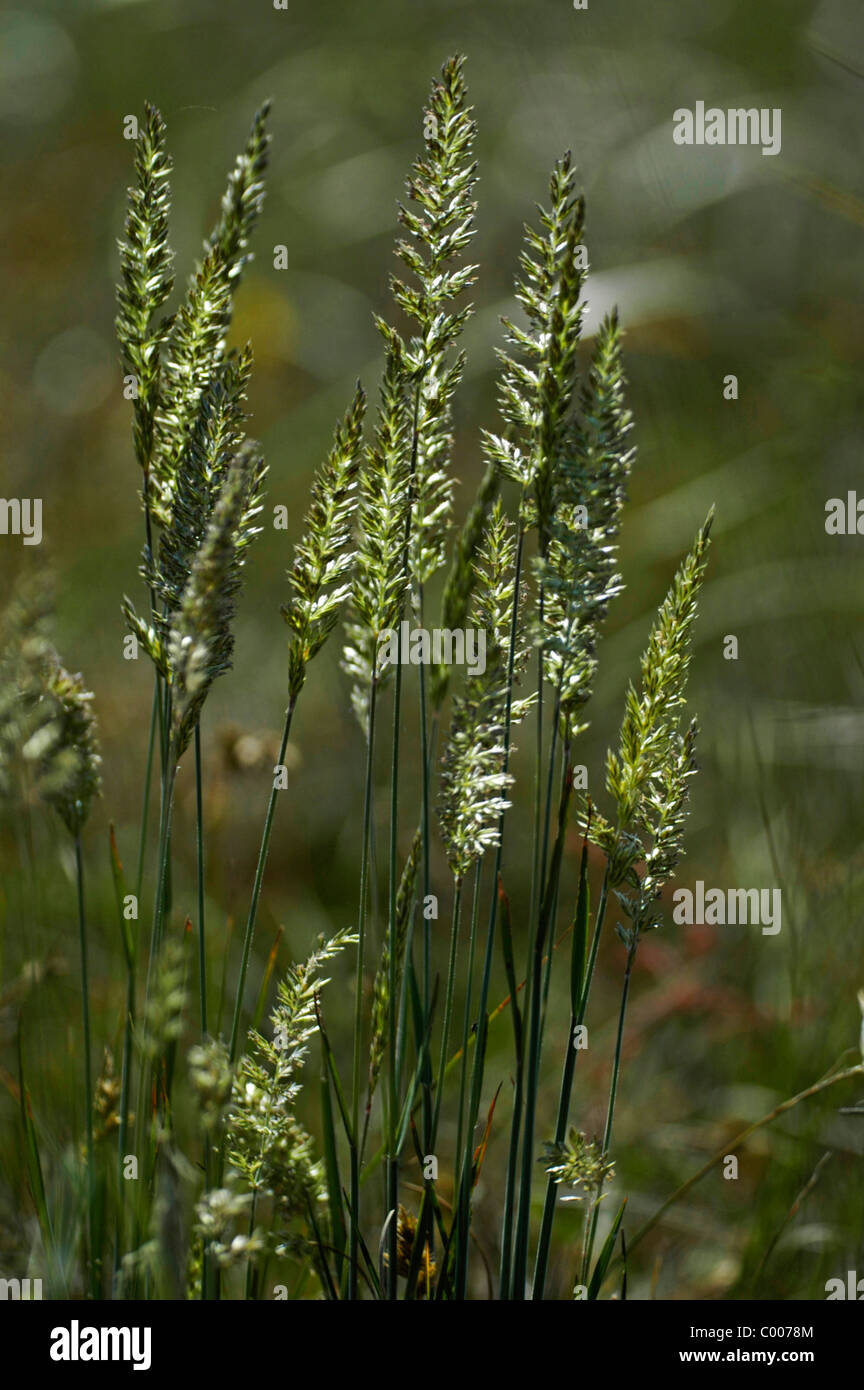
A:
214, 1182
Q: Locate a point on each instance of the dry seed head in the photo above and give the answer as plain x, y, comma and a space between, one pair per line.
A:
461, 578
65, 749
323, 559
380, 575
211, 1076
217, 1214
647, 776
200, 643
440, 225
578, 570
163, 1015
474, 778
195, 345
146, 276
406, 1237
216, 438
243, 198
265, 1142
538, 382
578, 1162
47, 725
25, 654
106, 1104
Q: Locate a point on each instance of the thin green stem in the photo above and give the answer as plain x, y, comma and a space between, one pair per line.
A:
123, 1126
202, 960
610, 1110
506, 1261
165, 822
159, 906
464, 1137
448, 1003
392, 1173
536, 871
532, 1069
510, 1187
392, 1179
426, 745
547, 978
148, 779
199, 865
88, 1073
428, 751
576, 1020
483, 1000
250, 1265
466, 1019
550, 783
424, 824
256, 889
354, 1215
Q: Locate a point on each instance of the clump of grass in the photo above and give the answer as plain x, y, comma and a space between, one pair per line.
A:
237, 1176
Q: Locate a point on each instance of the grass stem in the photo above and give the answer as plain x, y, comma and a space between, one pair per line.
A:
263, 851
354, 1214
93, 1254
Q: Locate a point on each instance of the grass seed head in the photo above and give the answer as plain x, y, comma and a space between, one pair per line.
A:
319, 576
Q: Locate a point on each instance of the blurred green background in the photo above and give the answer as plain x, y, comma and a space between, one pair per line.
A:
721, 261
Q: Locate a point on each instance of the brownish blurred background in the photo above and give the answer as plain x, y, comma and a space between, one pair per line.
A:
721, 261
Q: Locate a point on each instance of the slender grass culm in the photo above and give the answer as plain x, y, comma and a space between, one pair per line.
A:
437, 1056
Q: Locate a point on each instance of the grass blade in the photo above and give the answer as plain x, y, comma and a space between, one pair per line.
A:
605, 1255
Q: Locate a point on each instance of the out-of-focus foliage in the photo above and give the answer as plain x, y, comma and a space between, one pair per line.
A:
722, 262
